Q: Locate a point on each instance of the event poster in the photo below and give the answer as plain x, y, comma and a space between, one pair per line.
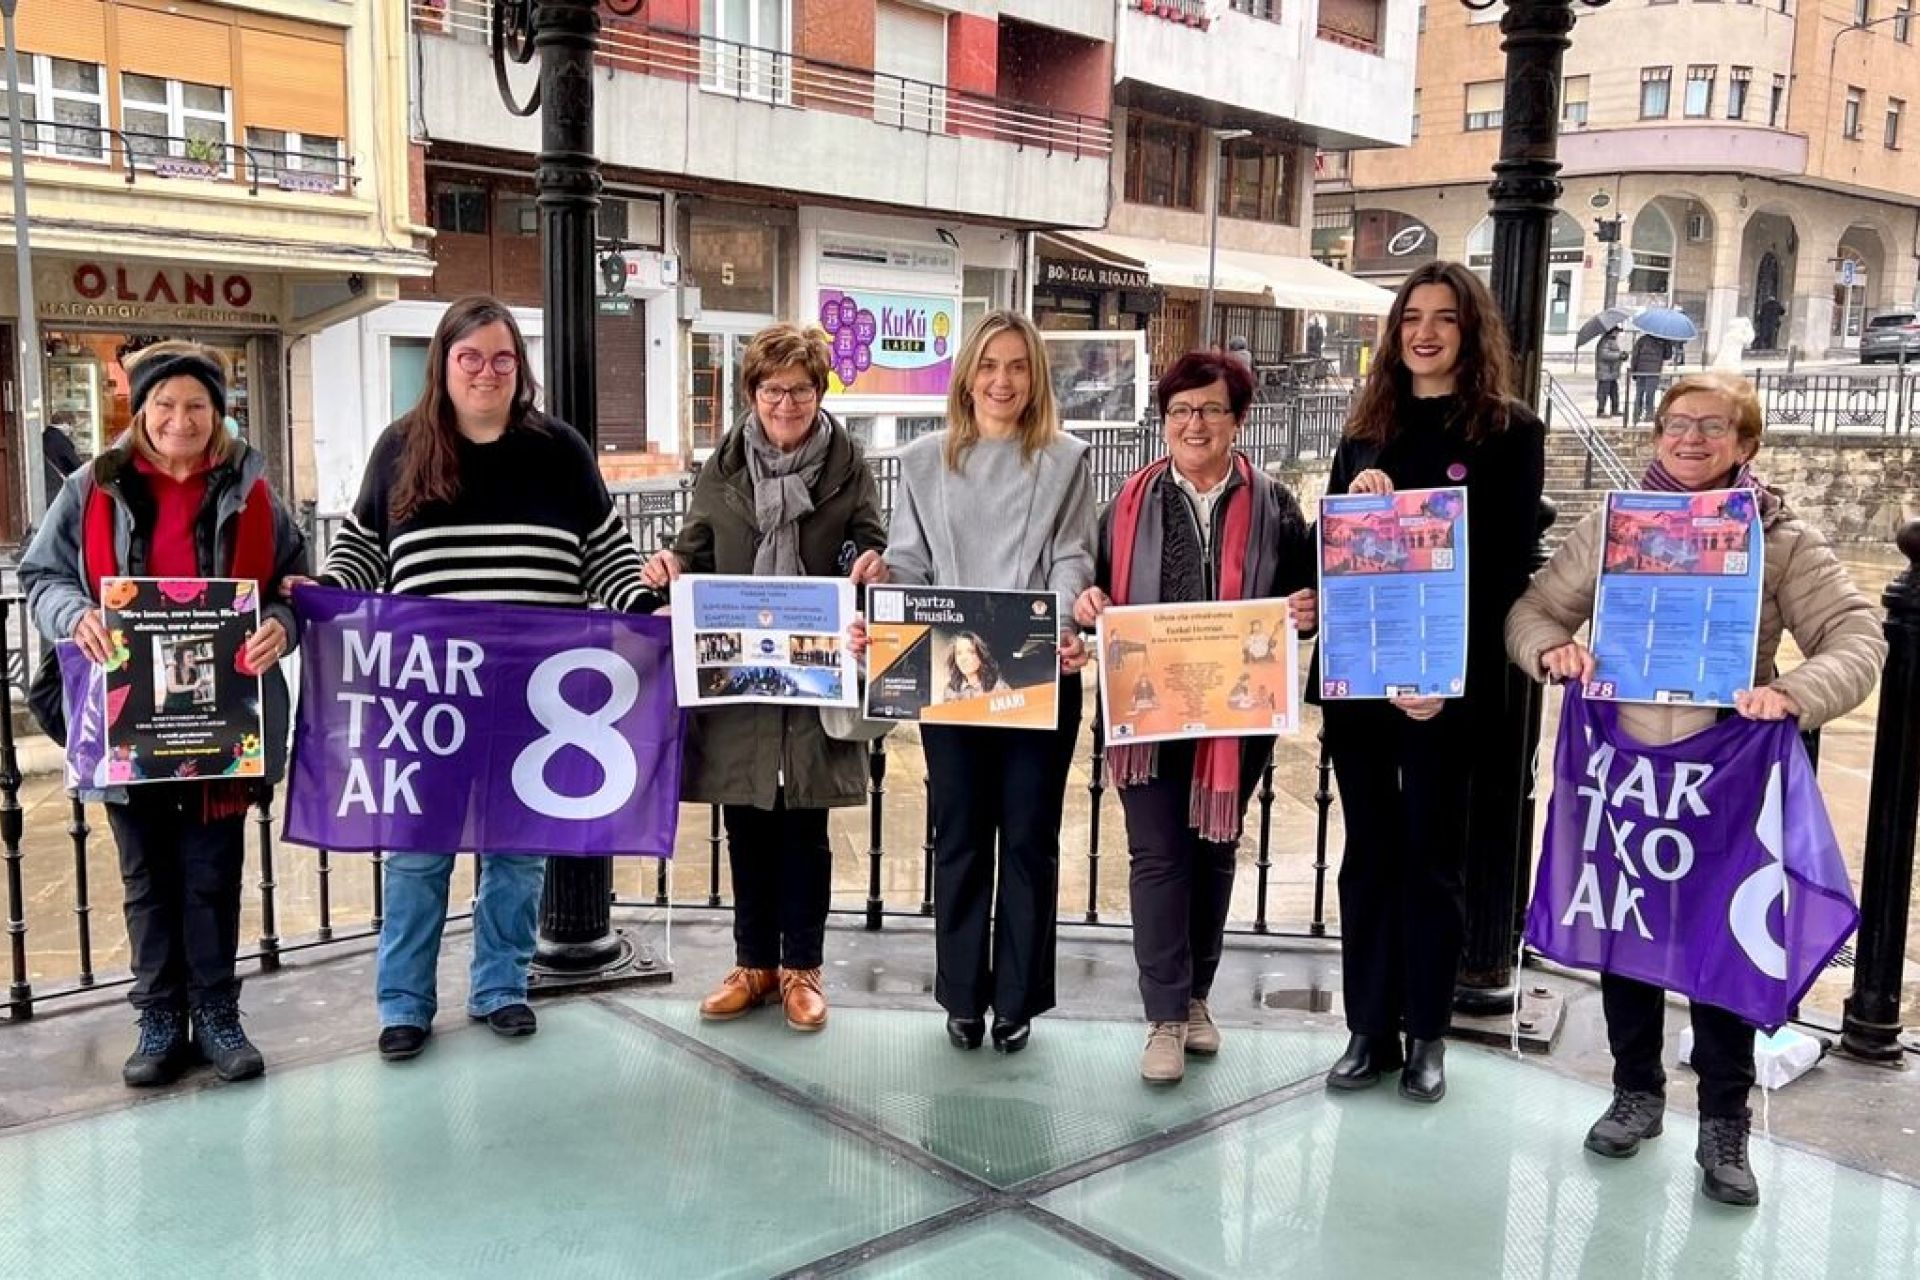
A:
1213, 670
889, 344
738, 639
1393, 594
180, 702
1676, 614
946, 656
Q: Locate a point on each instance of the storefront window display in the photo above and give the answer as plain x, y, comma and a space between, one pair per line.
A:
88, 391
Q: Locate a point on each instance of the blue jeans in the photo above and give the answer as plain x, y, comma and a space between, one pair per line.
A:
506, 918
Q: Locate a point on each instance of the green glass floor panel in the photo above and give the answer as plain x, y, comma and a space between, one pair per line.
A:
594, 1148
1491, 1182
1074, 1093
1003, 1245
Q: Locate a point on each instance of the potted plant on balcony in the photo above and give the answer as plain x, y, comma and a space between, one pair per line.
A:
204, 159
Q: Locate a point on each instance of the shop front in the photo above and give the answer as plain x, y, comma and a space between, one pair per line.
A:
1073, 291
95, 314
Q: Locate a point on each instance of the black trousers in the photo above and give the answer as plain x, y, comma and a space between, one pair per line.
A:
782, 884
1404, 795
1636, 1031
1609, 397
182, 882
1180, 886
994, 942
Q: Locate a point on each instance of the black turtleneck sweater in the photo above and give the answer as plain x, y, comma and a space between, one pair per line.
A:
1503, 472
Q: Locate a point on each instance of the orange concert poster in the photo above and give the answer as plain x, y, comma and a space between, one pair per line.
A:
1211, 670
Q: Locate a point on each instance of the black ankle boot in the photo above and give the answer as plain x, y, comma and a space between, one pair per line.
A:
163, 1052
1010, 1036
1722, 1153
1365, 1058
1425, 1079
966, 1033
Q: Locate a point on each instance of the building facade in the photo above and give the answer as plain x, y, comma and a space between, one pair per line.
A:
1220, 108
234, 173
775, 160
1753, 156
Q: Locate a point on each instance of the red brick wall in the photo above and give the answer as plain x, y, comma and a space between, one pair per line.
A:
835, 31
1055, 69
973, 60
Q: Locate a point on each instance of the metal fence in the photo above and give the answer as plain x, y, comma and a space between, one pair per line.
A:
1828, 403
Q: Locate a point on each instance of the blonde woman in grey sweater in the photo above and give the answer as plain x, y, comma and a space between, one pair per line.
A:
1000, 500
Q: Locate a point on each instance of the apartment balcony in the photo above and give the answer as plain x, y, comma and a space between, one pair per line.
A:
1342, 70
1683, 148
677, 102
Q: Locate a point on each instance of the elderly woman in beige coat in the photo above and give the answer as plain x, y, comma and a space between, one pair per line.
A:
1706, 432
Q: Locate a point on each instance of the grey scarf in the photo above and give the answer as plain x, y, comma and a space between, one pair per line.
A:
783, 494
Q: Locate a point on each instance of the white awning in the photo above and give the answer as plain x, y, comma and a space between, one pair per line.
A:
1294, 283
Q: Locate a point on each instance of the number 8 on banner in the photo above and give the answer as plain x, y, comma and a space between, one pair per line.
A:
568, 726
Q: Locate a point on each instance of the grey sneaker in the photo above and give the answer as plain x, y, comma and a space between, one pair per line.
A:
1632, 1116
1722, 1152
1202, 1036
1165, 1060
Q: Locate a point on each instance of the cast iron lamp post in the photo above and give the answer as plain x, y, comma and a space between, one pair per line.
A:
577, 941
1524, 196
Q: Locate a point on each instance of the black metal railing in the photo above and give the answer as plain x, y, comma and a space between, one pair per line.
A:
205, 159
1825, 403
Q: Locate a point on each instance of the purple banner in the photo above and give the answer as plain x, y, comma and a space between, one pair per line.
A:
83, 692
1707, 867
439, 726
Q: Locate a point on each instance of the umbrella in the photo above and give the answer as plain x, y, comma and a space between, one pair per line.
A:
1599, 323
1665, 322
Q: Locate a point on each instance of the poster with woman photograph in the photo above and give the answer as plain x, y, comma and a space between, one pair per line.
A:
963, 657
740, 639
1099, 379
180, 702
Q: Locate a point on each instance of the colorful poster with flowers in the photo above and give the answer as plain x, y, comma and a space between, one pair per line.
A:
180, 701
889, 344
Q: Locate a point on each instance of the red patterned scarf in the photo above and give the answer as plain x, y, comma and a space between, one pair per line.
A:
1214, 803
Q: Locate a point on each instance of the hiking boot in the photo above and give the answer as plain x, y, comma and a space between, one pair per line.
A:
804, 1003
1634, 1115
216, 1027
163, 1052
1722, 1152
1202, 1036
740, 992
1165, 1059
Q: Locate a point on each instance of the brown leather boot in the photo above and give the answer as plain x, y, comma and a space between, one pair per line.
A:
740, 992
805, 1002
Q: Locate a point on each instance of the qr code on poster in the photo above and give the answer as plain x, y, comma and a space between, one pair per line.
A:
889, 606
1736, 563
1443, 558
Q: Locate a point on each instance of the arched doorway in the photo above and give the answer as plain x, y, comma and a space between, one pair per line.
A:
1650, 283
1769, 264
1566, 259
1858, 284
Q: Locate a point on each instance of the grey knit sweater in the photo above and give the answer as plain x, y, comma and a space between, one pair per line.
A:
996, 524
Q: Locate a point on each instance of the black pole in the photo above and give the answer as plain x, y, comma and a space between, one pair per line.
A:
1525, 195
1870, 1028
577, 941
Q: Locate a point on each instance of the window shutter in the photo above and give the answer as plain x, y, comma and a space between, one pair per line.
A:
294, 83
175, 47
74, 29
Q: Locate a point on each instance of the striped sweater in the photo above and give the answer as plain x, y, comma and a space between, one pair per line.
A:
532, 524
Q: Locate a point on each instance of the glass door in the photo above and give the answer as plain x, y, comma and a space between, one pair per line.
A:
717, 397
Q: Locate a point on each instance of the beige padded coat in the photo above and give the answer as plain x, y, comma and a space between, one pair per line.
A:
1806, 592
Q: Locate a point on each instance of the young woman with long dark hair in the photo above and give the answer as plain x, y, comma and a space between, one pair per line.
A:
1437, 411
475, 494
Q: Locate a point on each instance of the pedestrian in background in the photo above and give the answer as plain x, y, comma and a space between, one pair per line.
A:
177, 497
787, 493
1002, 499
1649, 357
1607, 362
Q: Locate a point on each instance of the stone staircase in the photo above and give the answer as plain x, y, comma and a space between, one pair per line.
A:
1584, 458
